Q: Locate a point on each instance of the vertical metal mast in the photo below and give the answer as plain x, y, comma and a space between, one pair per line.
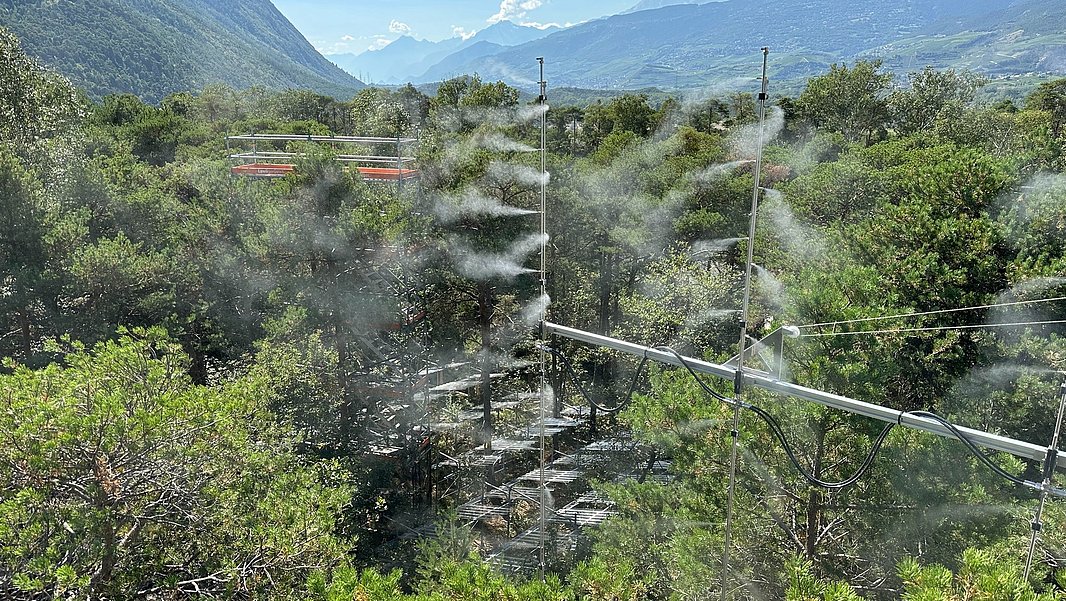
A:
738, 381
543, 528
1049, 473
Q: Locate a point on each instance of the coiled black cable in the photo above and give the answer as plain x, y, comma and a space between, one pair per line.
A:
585, 394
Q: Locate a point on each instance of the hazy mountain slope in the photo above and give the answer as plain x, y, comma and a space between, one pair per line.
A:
403, 56
506, 33
718, 43
453, 64
1026, 37
653, 4
407, 59
154, 47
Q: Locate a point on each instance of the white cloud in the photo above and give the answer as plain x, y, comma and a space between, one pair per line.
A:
399, 27
461, 32
379, 42
342, 45
514, 9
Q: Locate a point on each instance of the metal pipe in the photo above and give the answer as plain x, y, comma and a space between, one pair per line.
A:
1049, 468
543, 330
738, 382
300, 138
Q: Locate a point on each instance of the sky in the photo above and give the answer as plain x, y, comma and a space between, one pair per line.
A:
338, 26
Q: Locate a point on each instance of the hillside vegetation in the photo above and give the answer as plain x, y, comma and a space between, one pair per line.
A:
216, 388
151, 48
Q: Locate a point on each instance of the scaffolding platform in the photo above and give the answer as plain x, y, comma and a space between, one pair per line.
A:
514, 492
588, 510
370, 174
482, 509
260, 157
552, 475
552, 426
427, 530
512, 445
608, 445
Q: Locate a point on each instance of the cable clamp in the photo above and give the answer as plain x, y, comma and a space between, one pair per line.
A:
1050, 463
735, 434
1036, 526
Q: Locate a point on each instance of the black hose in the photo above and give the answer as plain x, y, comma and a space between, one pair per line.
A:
778, 433
588, 397
868, 461
969, 444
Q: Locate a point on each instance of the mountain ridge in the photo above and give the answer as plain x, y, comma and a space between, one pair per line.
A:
409, 59
154, 47
716, 43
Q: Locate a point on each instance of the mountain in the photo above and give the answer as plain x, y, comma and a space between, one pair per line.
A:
653, 4
154, 47
717, 44
506, 33
398, 60
407, 59
1025, 37
453, 64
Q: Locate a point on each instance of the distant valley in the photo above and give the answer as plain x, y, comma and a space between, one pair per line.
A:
716, 44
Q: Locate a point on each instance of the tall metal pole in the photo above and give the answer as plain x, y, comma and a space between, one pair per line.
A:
543, 327
738, 381
1049, 473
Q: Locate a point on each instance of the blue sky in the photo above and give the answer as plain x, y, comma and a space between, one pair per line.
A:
335, 26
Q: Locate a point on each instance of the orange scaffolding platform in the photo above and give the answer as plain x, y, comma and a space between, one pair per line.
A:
263, 170
266, 160
374, 174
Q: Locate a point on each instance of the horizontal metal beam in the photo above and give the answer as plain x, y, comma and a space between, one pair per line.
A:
312, 138
1018, 448
343, 158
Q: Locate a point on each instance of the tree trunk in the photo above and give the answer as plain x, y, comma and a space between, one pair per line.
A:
485, 308
347, 408
27, 333
604, 325
814, 502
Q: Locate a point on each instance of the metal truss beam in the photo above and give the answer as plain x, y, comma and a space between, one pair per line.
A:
1018, 448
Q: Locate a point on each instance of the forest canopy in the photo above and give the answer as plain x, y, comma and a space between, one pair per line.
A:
322, 387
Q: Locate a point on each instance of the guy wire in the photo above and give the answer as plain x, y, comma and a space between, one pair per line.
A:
937, 312
980, 326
